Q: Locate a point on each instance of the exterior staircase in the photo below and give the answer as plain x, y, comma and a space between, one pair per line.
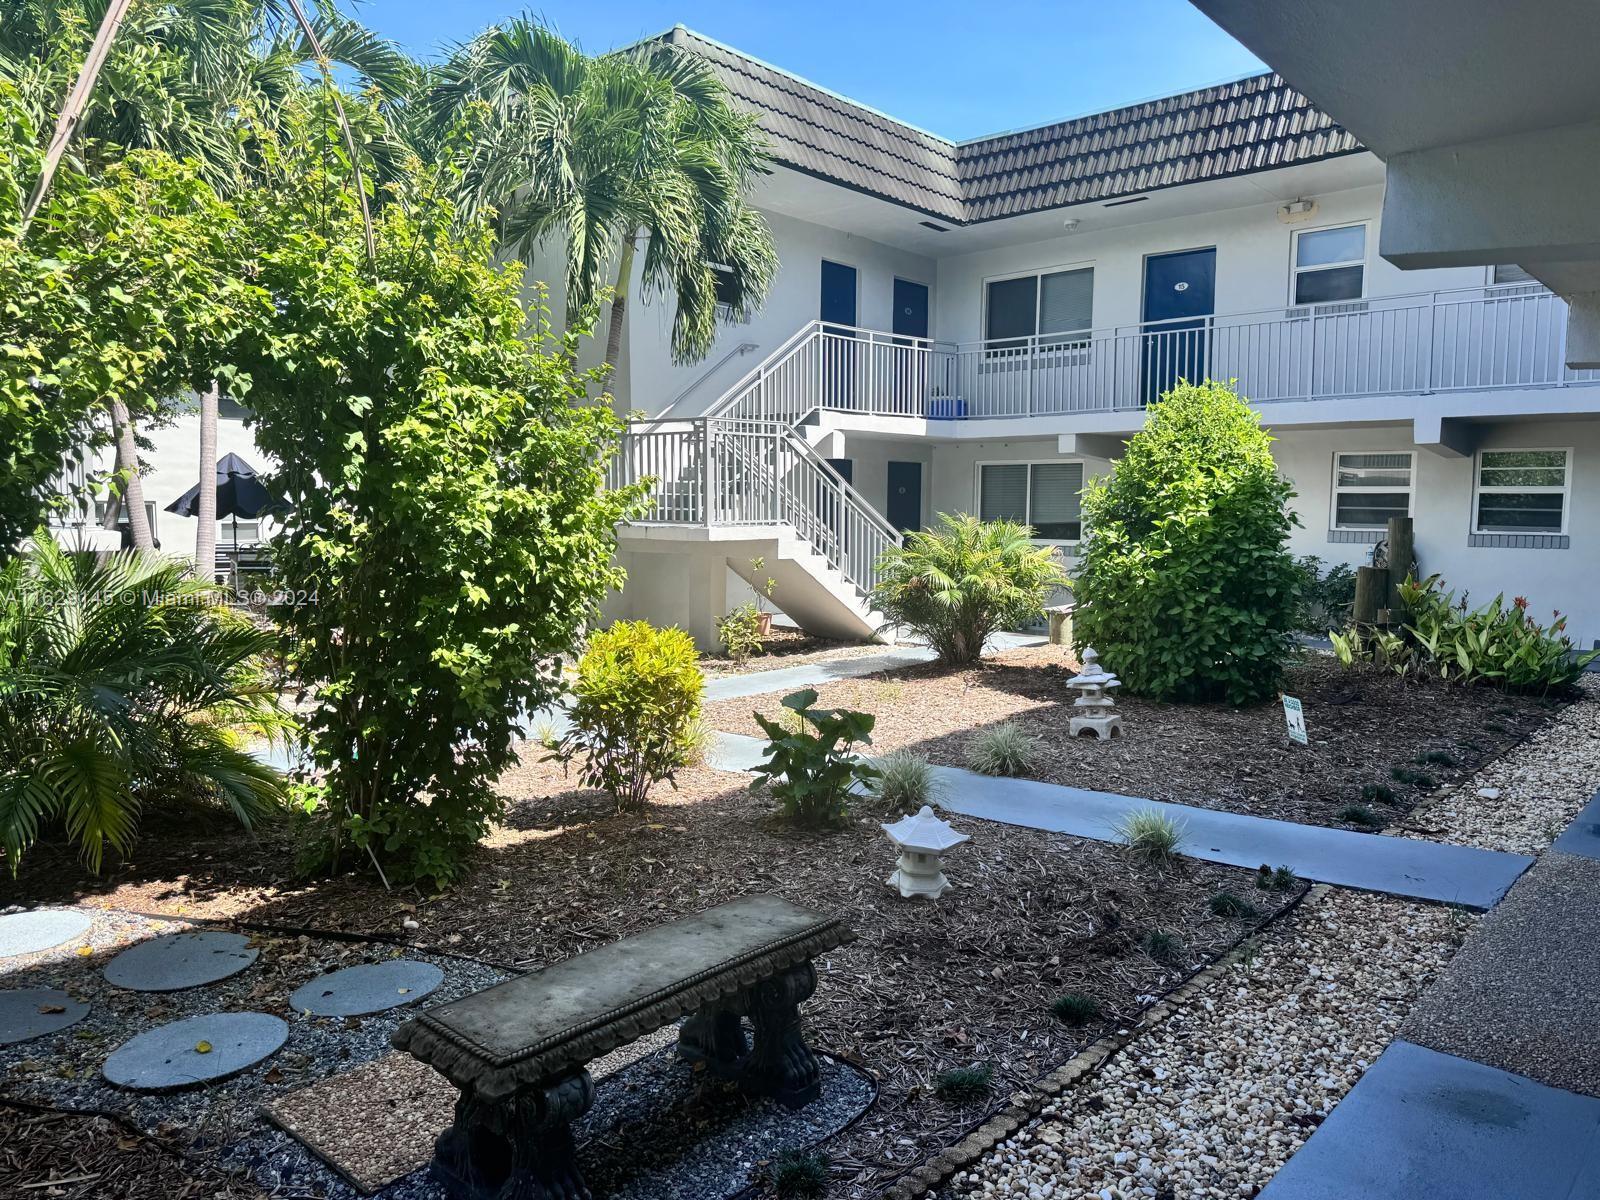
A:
746, 472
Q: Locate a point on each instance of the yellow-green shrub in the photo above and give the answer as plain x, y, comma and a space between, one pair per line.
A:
634, 708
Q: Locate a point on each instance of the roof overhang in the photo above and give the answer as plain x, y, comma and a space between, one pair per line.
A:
1487, 115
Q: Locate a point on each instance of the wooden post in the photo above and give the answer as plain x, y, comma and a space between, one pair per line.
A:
1372, 587
1402, 564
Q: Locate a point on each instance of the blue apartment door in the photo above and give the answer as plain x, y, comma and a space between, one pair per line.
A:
905, 496
909, 366
838, 313
1179, 297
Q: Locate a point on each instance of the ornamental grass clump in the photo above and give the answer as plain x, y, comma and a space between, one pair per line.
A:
1151, 835
905, 781
634, 707
964, 579
1185, 581
1005, 749
1075, 1008
801, 1174
963, 1085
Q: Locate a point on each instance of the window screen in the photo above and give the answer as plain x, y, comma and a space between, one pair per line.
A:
1522, 491
1066, 302
1368, 489
1329, 264
1013, 308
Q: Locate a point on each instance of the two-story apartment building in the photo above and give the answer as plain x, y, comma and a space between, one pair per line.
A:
977, 326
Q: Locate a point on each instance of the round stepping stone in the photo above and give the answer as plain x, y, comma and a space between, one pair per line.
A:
28, 1013
180, 960
194, 1050
30, 932
357, 991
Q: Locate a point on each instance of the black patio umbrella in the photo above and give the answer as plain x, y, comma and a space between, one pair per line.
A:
240, 493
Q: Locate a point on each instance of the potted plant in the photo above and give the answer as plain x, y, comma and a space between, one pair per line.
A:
758, 568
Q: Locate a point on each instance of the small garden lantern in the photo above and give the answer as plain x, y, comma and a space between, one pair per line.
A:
1093, 708
922, 840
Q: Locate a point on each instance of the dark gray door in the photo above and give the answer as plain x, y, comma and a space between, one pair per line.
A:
908, 369
905, 496
1179, 298
838, 313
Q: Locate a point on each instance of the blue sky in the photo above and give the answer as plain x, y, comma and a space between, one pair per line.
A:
960, 70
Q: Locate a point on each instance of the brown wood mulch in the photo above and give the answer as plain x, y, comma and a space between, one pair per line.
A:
785, 647
60, 1156
927, 987
1361, 726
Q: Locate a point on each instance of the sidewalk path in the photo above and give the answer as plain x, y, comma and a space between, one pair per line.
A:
1367, 861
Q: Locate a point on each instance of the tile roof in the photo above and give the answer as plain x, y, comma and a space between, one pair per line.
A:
1234, 128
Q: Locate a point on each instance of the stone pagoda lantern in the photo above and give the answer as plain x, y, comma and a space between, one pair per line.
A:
1092, 710
922, 841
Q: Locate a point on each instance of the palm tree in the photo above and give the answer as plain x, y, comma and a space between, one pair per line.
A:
603, 153
122, 682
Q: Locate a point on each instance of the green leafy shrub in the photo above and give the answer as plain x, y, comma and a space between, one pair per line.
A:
813, 773
1151, 835
1228, 904
1327, 595
1005, 749
798, 1173
964, 579
1380, 792
1359, 814
1437, 758
1412, 778
905, 781
1185, 584
634, 704
1076, 1008
740, 632
1497, 645
963, 1085
445, 474
125, 685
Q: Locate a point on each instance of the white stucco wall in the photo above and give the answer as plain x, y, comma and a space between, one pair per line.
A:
1253, 262
1564, 579
653, 380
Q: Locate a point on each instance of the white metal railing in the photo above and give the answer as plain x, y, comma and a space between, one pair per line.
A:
1470, 338
733, 471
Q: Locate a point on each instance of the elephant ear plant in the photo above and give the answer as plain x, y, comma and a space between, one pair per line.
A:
811, 766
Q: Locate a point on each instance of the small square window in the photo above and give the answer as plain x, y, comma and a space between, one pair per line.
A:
1369, 488
1330, 264
1046, 496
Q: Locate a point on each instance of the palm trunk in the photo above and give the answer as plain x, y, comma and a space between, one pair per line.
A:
128, 471
205, 536
619, 313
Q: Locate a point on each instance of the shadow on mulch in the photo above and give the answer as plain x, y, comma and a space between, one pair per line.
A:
926, 988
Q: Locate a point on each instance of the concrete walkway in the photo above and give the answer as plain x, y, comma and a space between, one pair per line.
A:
1493, 1090
1370, 862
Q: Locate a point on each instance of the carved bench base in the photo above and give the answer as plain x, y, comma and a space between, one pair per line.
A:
777, 1063
516, 1149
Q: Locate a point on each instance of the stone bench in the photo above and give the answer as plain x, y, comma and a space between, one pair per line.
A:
519, 1051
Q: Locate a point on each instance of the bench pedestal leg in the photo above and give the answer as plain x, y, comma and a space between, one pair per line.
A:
715, 1037
516, 1149
780, 1064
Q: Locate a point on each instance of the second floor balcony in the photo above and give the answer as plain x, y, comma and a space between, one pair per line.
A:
1448, 341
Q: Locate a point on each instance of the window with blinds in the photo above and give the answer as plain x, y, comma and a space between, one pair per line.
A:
1057, 308
1046, 496
1369, 488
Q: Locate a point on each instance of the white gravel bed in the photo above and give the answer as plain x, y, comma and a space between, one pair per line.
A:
1522, 801
1214, 1101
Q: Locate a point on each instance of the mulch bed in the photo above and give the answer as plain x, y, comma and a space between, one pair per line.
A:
785, 647
1362, 726
59, 1156
927, 987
